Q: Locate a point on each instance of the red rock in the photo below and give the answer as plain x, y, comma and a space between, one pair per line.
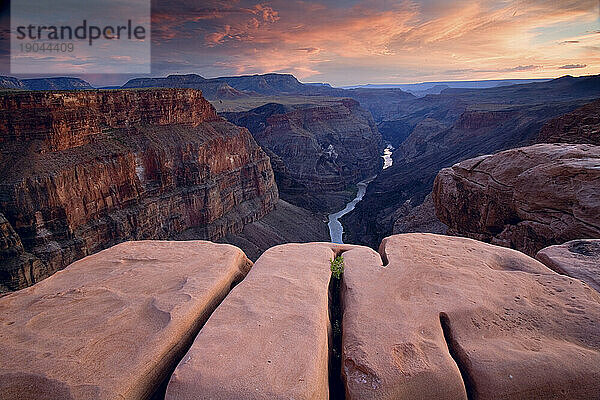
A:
113, 325
526, 198
85, 170
448, 312
579, 126
269, 337
578, 259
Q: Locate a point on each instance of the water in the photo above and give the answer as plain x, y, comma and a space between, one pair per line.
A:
336, 230
387, 156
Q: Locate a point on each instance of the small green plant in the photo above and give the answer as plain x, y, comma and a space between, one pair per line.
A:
337, 267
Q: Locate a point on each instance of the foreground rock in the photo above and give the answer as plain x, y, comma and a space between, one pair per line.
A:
82, 171
114, 324
269, 338
526, 198
578, 259
451, 318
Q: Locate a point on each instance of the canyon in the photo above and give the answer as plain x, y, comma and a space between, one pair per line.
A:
437, 131
85, 170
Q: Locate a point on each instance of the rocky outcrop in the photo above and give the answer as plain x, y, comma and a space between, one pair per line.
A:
114, 324
579, 259
453, 318
85, 170
19, 268
526, 198
430, 316
269, 337
579, 126
287, 223
422, 218
321, 148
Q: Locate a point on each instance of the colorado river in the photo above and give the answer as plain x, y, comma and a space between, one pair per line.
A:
336, 230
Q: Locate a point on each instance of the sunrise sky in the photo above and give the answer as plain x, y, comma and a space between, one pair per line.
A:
368, 41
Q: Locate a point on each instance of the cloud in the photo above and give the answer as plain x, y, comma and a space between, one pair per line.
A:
572, 66
377, 41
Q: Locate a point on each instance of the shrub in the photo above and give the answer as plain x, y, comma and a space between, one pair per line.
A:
337, 267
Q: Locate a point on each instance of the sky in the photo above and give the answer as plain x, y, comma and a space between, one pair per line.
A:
348, 42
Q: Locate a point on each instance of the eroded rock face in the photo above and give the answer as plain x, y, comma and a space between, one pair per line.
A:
84, 171
18, 268
578, 259
579, 126
449, 317
526, 198
269, 338
321, 147
114, 324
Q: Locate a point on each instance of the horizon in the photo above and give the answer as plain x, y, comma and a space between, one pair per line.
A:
361, 42
151, 76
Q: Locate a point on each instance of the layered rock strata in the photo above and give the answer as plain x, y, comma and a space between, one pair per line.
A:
86, 170
454, 318
579, 126
19, 268
526, 198
269, 339
318, 147
113, 325
579, 259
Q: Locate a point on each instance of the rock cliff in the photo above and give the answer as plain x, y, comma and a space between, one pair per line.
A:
579, 126
526, 198
85, 170
315, 148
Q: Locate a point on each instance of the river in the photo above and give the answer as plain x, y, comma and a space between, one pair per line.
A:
336, 230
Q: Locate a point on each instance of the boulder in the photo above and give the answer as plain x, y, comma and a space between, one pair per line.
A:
526, 198
112, 325
454, 318
578, 259
269, 337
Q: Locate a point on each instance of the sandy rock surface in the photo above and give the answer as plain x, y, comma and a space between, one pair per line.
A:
450, 317
112, 325
269, 337
578, 259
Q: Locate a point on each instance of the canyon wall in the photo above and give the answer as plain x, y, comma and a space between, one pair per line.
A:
315, 148
85, 170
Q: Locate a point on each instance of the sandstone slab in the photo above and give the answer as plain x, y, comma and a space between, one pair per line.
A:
578, 259
452, 318
114, 324
526, 198
269, 339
